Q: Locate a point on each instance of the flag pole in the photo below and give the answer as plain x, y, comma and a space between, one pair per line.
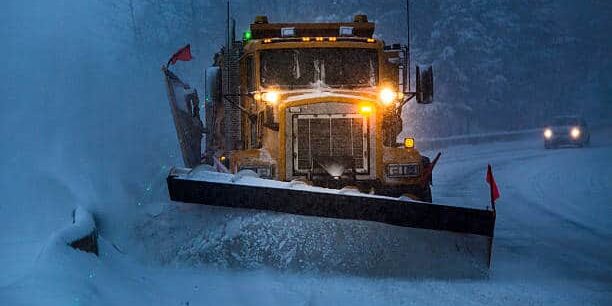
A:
491, 182
490, 172
490, 175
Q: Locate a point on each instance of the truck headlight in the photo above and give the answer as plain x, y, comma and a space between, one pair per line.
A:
575, 132
548, 133
271, 97
387, 96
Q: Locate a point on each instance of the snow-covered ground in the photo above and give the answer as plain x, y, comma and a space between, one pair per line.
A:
553, 244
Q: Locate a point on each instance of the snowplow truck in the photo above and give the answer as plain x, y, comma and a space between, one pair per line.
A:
315, 105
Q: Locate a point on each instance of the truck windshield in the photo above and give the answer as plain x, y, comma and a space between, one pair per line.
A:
300, 68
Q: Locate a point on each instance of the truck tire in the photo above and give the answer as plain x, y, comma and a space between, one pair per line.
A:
419, 193
425, 195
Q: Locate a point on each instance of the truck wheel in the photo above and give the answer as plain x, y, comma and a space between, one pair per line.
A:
425, 195
419, 194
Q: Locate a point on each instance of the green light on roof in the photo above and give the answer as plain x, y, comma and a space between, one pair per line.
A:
247, 36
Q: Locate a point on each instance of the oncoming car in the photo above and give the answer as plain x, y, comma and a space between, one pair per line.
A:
568, 131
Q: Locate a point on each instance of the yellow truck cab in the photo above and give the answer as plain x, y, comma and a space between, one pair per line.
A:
316, 102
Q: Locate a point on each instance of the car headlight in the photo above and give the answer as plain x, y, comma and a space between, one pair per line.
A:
575, 132
548, 133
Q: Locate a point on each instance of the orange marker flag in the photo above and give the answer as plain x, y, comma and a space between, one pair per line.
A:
183, 54
493, 186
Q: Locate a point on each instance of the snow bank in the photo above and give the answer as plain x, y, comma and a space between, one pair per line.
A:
81, 234
197, 235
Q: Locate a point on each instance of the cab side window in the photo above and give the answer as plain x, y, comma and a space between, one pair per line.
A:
250, 70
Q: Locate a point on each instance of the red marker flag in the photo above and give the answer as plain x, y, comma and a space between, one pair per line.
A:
183, 54
493, 186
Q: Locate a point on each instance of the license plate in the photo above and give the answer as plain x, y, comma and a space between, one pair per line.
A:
403, 170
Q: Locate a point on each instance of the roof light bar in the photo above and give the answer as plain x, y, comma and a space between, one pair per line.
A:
318, 39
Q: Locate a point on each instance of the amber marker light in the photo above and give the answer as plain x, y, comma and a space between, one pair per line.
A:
366, 109
409, 142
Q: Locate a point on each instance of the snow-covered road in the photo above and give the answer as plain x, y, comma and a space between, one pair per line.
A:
553, 245
555, 214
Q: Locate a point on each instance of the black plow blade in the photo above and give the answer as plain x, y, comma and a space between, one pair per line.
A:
441, 235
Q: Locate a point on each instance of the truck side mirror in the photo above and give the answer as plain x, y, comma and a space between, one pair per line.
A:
424, 85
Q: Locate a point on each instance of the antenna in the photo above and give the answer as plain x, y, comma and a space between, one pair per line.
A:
408, 42
227, 28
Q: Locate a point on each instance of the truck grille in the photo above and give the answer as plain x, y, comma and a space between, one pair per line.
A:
343, 135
